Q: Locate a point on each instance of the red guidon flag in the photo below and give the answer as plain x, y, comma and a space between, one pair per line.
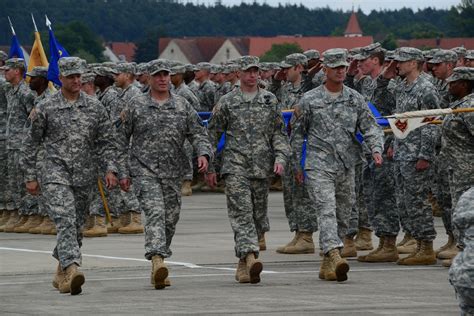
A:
401, 127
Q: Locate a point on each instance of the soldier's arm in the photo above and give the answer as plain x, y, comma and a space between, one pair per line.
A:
32, 142
280, 143
197, 133
298, 132
430, 100
217, 127
366, 123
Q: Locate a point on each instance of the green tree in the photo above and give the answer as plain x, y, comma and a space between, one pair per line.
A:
147, 47
390, 42
278, 52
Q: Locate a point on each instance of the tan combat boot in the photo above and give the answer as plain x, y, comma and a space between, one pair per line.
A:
304, 244
186, 189
58, 277
437, 211
37, 228
241, 274
276, 185
72, 281
338, 265
32, 222
363, 240
135, 226
349, 249
379, 248
22, 221
4, 220
49, 228
325, 271
10, 224
199, 183
388, 253
424, 256
254, 268
407, 245
98, 228
449, 250
447, 263
117, 223
262, 244
159, 272
292, 242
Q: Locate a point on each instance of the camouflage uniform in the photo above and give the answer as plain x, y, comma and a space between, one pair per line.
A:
206, 91
255, 141
157, 133
377, 195
332, 150
299, 209
441, 165
5, 200
458, 140
73, 134
412, 186
20, 101
461, 274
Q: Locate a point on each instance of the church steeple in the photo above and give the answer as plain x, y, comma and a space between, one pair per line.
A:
353, 28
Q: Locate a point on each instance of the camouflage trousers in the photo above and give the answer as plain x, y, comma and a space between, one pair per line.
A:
24, 202
461, 179
442, 193
359, 211
299, 209
333, 195
67, 206
188, 148
411, 193
160, 200
5, 197
383, 211
247, 202
466, 300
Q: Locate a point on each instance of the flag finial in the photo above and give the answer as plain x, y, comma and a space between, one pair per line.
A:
48, 22
11, 26
34, 22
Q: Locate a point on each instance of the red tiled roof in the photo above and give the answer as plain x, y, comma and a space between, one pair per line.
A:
259, 45
353, 26
444, 43
126, 49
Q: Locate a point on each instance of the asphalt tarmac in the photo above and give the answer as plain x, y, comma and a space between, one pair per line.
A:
202, 272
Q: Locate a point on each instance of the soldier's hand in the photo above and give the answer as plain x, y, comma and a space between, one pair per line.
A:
202, 164
110, 180
352, 71
278, 169
391, 71
33, 187
125, 184
211, 179
315, 69
422, 164
390, 153
378, 160
299, 177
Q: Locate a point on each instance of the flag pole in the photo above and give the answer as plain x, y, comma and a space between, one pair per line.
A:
34, 22
11, 26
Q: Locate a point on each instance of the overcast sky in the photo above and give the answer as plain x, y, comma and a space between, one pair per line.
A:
365, 5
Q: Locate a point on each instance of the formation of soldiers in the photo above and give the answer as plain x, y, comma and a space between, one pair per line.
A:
134, 131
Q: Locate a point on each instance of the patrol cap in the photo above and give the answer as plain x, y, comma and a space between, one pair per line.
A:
87, 77
215, 69
125, 68
142, 69
247, 62
354, 51
275, 66
38, 71
408, 53
3, 55
264, 66
312, 54
389, 54
157, 65
203, 66
461, 51
177, 67
369, 50
469, 54
17, 63
190, 67
71, 66
461, 73
294, 60
104, 71
444, 56
229, 68
428, 54
335, 57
